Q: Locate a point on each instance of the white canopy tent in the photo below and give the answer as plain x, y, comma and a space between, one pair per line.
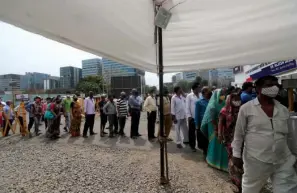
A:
202, 34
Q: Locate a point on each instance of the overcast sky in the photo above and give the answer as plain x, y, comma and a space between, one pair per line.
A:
22, 51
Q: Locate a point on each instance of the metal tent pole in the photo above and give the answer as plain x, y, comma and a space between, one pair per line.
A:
163, 138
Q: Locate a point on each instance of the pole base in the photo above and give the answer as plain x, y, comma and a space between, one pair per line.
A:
164, 180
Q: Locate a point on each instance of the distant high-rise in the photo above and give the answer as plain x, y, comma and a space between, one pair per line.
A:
115, 69
92, 67
9, 82
70, 76
33, 80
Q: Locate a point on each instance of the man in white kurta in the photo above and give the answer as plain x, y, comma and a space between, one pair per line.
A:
178, 112
262, 127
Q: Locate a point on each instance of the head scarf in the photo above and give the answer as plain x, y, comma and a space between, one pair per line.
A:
213, 108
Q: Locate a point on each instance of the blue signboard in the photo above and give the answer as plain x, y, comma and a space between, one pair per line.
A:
275, 68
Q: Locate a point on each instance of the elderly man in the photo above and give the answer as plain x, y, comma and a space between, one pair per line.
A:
122, 109
262, 127
135, 107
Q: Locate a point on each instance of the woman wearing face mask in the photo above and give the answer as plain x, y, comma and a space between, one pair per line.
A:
217, 156
227, 122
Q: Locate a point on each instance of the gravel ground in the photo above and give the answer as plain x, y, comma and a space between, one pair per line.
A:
28, 166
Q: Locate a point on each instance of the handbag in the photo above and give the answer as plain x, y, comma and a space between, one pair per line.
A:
48, 115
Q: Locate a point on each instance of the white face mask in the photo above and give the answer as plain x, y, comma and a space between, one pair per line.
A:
270, 91
236, 103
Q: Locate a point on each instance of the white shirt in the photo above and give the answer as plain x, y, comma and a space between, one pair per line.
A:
89, 106
178, 107
265, 139
150, 104
190, 104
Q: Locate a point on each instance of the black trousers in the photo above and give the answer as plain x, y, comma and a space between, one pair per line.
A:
202, 141
151, 124
103, 121
21, 121
192, 133
89, 123
122, 123
45, 123
8, 126
135, 117
31, 122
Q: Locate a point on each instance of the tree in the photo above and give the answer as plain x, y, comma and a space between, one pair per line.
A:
214, 83
204, 83
198, 79
170, 88
154, 88
91, 83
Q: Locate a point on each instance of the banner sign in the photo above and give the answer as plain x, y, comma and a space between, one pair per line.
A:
275, 68
20, 97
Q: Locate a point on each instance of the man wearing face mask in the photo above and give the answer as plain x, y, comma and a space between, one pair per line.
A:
135, 107
262, 126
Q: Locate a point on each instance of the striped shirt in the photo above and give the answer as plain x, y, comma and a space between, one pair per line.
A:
122, 107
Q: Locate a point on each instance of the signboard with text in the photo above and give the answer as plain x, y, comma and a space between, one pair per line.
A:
20, 97
275, 68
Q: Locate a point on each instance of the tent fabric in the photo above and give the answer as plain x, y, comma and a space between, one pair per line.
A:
202, 34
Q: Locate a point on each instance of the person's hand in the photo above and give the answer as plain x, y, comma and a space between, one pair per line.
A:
174, 120
237, 162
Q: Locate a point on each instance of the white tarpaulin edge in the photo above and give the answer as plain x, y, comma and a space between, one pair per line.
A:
202, 34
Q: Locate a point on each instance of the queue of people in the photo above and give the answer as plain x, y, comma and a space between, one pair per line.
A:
243, 132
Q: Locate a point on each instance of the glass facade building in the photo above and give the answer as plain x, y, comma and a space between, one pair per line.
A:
115, 69
92, 67
9, 82
70, 76
33, 80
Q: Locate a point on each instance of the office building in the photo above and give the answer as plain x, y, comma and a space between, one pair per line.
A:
204, 74
53, 82
70, 76
187, 76
115, 69
33, 81
177, 77
9, 82
221, 76
92, 67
